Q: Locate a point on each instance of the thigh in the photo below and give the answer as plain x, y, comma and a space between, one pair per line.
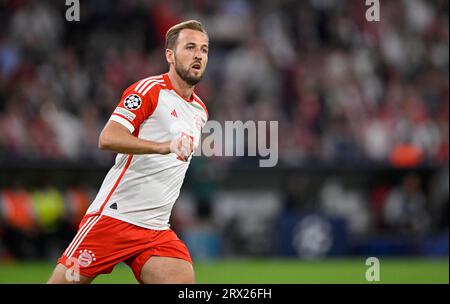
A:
166, 270
100, 244
64, 275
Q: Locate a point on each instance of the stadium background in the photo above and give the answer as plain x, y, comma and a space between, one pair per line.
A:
363, 134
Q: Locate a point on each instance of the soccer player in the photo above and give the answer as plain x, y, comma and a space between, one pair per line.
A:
154, 129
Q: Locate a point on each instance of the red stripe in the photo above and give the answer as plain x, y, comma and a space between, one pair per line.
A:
123, 116
130, 157
127, 164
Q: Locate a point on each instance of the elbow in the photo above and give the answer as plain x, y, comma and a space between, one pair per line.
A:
104, 142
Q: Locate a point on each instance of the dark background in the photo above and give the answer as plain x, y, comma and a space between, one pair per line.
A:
362, 110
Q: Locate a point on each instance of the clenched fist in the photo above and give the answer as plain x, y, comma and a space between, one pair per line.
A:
182, 146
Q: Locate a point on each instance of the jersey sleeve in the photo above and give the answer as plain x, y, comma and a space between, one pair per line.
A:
133, 109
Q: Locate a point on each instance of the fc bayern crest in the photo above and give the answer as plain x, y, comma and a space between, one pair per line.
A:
198, 122
132, 102
86, 257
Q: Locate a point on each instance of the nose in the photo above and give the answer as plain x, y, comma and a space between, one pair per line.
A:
198, 55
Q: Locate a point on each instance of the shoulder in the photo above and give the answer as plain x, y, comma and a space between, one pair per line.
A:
201, 103
142, 96
146, 87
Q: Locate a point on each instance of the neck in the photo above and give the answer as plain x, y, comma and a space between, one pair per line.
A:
184, 89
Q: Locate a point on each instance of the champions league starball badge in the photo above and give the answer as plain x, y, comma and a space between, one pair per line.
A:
132, 102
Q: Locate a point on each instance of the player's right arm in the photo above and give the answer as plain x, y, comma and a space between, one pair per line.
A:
117, 138
138, 102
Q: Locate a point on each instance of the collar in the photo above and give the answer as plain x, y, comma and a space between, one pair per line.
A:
170, 87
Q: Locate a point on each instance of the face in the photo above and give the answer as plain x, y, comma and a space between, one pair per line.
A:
190, 55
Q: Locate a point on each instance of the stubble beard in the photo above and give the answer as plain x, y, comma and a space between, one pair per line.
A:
184, 74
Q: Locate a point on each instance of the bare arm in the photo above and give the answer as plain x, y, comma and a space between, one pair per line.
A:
117, 138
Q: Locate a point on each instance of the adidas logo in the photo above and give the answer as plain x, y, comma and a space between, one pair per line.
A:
174, 113
113, 206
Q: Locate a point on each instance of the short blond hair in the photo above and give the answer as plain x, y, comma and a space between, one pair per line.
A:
174, 31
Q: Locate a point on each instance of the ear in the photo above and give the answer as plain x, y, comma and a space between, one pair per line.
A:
170, 57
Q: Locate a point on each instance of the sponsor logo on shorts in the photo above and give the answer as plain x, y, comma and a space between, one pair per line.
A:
129, 115
86, 258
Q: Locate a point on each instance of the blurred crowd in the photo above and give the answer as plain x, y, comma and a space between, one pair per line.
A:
38, 222
345, 90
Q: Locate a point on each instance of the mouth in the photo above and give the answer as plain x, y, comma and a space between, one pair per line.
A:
197, 66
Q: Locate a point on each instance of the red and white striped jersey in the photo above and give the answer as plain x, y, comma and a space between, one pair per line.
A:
142, 189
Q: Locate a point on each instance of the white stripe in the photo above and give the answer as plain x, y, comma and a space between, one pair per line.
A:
123, 122
148, 82
69, 255
72, 251
146, 79
80, 231
148, 88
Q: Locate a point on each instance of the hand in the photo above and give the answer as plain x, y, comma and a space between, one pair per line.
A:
182, 146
